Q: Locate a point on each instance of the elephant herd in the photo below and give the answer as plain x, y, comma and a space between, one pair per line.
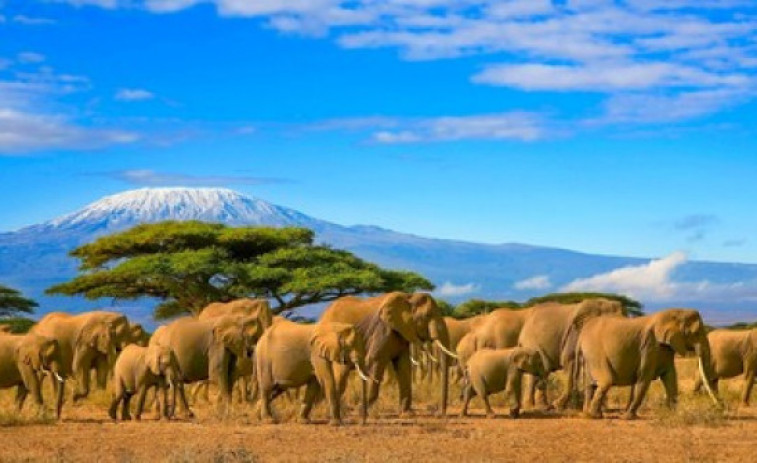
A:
240, 344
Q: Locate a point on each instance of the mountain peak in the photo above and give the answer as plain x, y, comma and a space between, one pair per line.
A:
147, 205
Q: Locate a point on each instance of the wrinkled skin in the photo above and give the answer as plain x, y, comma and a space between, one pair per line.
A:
138, 335
552, 330
138, 369
619, 351
23, 360
498, 329
208, 350
732, 354
489, 371
390, 324
291, 355
86, 343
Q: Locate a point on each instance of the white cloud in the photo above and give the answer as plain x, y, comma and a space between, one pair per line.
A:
451, 289
30, 57
536, 282
23, 132
134, 94
519, 126
652, 280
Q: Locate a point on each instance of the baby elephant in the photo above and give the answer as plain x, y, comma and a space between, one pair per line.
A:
489, 371
138, 369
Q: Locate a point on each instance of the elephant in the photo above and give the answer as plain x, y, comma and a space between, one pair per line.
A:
489, 371
732, 353
618, 351
86, 343
291, 355
552, 329
242, 307
23, 358
457, 329
390, 324
208, 350
243, 380
138, 369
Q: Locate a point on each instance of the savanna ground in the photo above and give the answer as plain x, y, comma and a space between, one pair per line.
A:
695, 432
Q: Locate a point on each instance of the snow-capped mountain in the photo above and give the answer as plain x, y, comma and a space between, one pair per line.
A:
36, 257
148, 205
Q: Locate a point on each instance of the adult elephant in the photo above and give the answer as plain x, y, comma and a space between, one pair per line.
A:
390, 324
259, 308
618, 351
552, 330
208, 350
23, 359
291, 355
86, 343
732, 353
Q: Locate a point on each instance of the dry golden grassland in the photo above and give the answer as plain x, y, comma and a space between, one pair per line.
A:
695, 432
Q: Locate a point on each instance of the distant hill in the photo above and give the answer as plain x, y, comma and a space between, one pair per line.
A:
35, 257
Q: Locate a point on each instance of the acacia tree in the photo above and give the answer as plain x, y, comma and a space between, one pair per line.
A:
191, 264
12, 303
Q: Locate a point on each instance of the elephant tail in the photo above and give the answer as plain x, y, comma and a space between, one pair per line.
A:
577, 364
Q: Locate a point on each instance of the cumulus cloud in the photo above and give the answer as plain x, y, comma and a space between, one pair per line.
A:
134, 94
151, 178
451, 289
536, 282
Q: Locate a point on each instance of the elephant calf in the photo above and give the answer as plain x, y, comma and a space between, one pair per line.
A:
23, 358
291, 355
139, 368
489, 371
732, 353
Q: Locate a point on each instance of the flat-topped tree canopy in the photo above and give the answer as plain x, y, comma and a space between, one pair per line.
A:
12, 302
191, 264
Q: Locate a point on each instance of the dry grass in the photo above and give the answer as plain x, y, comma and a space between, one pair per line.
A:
686, 434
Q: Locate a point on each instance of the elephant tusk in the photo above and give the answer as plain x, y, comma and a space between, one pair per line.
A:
363, 376
57, 377
706, 383
430, 355
414, 362
445, 350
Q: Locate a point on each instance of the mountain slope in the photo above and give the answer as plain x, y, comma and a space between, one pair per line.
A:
35, 257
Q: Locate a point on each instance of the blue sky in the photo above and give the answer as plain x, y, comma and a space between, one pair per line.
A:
602, 126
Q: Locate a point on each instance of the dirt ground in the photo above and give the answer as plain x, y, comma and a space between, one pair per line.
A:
696, 432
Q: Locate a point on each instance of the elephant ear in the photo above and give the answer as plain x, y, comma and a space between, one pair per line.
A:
263, 313
152, 357
521, 359
328, 341
28, 354
396, 312
671, 334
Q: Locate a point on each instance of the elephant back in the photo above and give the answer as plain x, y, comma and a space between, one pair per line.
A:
240, 307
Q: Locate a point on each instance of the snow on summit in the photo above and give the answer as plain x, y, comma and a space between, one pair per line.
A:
157, 204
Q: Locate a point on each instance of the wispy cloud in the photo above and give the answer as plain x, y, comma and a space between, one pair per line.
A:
134, 94
696, 225
147, 177
31, 20
30, 57
536, 282
450, 289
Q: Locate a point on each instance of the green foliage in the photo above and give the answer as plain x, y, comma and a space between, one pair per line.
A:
191, 264
738, 326
13, 303
633, 307
17, 325
447, 309
478, 306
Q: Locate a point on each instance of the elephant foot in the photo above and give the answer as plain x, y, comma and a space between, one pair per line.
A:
112, 415
560, 405
629, 416
464, 414
189, 414
303, 420
126, 418
491, 415
335, 422
596, 415
407, 414
139, 417
514, 413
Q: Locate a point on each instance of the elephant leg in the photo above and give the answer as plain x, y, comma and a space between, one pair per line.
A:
312, 391
117, 397
375, 371
595, 410
402, 367
467, 395
325, 376
746, 390
529, 399
126, 407
101, 373
670, 381
32, 385
21, 393
141, 396
183, 398
541, 386
697, 384
267, 394
631, 395
489, 410
639, 391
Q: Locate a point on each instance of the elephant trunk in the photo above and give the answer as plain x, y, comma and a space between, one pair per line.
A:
702, 349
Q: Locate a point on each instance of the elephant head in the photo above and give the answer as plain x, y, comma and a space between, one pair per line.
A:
261, 310
161, 361
95, 338
229, 334
40, 354
138, 335
396, 312
340, 343
684, 331
529, 361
